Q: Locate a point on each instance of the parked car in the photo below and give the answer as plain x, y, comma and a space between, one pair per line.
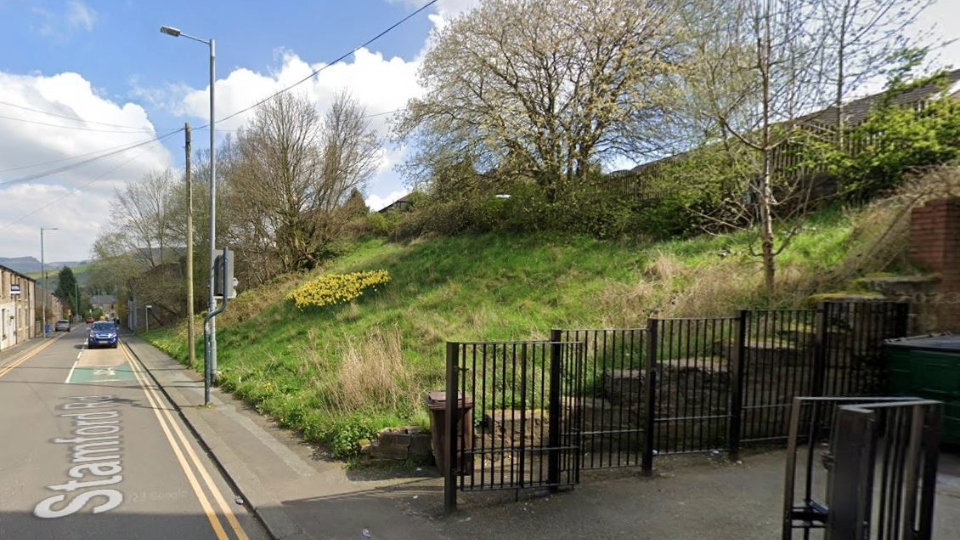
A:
103, 334
89, 320
62, 326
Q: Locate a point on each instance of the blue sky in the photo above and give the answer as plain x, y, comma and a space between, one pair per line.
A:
105, 78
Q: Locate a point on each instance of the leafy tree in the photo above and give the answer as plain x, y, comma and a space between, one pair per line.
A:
753, 67
895, 139
754, 70
540, 89
68, 290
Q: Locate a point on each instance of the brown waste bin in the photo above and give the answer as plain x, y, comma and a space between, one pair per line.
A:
437, 403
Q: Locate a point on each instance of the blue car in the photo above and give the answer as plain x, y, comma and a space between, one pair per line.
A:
103, 334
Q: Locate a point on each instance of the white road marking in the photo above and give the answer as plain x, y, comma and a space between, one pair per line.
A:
69, 375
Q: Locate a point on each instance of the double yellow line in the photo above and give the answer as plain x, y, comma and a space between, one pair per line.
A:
181, 445
16, 363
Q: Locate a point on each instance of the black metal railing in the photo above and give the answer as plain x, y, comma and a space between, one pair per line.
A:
613, 430
541, 411
688, 381
775, 363
516, 421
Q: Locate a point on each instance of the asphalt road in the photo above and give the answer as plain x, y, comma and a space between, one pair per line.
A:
89, 448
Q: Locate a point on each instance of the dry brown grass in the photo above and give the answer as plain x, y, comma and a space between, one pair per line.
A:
881, 232
669, 288
372, 373
246, 306
879, 242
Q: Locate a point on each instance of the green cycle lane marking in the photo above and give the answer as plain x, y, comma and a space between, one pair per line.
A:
99, 374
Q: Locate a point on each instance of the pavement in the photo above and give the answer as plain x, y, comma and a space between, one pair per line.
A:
297, 493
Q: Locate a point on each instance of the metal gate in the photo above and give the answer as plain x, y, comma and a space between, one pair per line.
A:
613, 429
881, 468
517, 417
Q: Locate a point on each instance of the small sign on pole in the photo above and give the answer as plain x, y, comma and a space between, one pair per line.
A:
14, 289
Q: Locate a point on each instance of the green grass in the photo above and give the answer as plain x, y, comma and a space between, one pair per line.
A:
338, 374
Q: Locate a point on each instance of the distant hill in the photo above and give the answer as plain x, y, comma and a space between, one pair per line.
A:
31, 265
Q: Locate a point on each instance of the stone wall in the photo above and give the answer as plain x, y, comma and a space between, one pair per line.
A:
400, 443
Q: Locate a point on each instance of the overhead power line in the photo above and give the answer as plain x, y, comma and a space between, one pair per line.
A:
72, 166
74, 118
76, 128
78, 156
85, 184
383, 113
329, 64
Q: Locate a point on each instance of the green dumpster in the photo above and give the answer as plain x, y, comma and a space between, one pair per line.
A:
929, 367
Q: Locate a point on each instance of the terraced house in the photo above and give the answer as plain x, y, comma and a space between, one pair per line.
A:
17, 308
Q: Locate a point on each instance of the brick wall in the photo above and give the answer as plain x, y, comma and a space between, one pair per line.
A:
935, 246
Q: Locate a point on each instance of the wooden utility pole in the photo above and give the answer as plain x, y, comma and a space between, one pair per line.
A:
189, 181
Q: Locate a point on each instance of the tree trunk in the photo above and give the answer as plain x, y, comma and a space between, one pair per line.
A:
766, 191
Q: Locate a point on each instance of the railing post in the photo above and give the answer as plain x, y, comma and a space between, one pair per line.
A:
932, 432
553, 460
820, 351
450, 427
739, 374
650, 387
902, 310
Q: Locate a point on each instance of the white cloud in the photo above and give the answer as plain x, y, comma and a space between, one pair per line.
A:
61, 25
42, 183
444, 8
379, 84
80, 15
383, 86
375, 202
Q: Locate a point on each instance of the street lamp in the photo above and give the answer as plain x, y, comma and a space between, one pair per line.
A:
146, 316
210, 329
43, 276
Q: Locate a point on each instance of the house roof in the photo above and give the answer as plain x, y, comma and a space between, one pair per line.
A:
397, 203
14, 272
103, 299
857, 110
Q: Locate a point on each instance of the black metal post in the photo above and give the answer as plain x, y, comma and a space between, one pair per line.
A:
932, 432
646, 464
450, 426
820, 353
553, 460
739, 376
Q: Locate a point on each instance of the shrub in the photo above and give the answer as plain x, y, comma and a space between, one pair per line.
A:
333, 289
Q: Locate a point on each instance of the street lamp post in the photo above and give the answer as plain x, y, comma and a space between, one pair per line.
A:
43, 276
146, 316
210, 329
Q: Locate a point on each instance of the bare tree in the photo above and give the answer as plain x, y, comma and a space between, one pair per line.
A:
861, 38
143, 217
138, 253
754, 68
546, 88
292, 170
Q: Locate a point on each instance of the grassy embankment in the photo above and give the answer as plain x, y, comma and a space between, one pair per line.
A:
339, 373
